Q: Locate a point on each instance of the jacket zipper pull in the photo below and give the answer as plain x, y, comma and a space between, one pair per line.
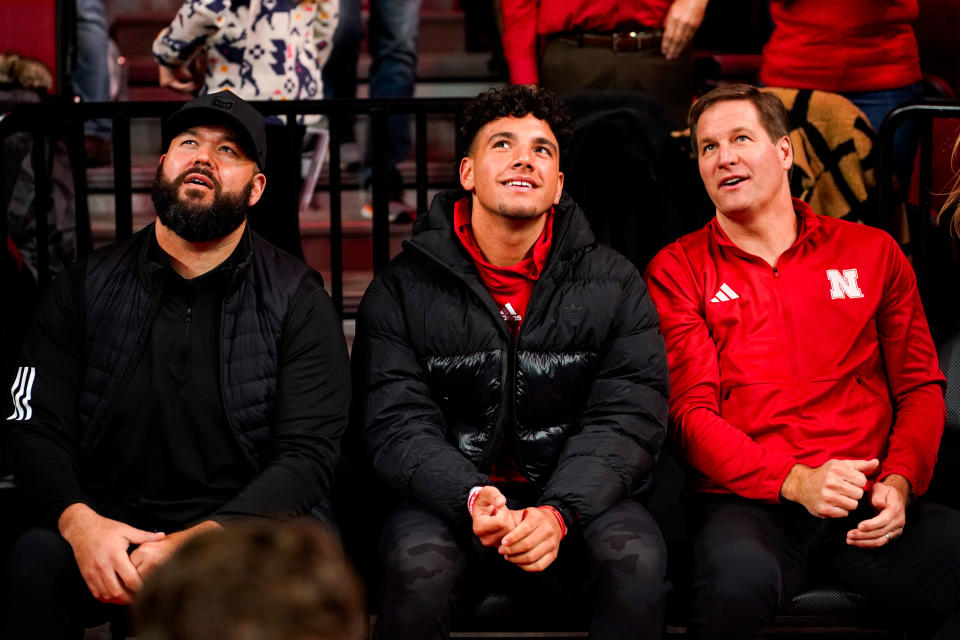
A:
184, 345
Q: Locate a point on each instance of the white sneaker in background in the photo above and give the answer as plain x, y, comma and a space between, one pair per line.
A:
398, 211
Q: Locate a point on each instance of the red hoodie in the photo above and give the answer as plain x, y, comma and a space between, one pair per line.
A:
828, 355
850, 45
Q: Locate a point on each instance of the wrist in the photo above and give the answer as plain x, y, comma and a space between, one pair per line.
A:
556, 514
472, 498
901, 484
179, 537
206, 525
792, 487
71, 517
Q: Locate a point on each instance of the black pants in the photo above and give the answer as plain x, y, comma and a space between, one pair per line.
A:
566, 68
752, 558
43, 593
618, 562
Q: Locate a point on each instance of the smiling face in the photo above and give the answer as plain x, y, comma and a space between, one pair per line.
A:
205, 184
743, 170
513, 168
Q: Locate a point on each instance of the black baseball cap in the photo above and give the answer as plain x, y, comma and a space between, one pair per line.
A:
225, 108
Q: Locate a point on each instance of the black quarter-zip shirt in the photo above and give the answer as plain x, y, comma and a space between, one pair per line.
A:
169, 455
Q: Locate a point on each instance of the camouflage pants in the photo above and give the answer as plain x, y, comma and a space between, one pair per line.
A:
617, 563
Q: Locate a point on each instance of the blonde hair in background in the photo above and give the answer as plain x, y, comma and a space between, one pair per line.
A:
953, 195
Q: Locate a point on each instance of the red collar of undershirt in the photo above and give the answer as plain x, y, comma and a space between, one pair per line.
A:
530, 267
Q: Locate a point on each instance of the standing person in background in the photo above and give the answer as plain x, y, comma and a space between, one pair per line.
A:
632, 45
392, 30
865, 50
91, 76
262, 50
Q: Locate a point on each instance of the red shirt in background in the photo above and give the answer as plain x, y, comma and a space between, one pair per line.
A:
852, 45
525, 20
510, 287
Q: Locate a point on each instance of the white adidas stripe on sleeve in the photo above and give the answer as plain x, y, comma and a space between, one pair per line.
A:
22, 392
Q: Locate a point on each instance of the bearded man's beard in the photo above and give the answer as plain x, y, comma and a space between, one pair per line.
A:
195, 222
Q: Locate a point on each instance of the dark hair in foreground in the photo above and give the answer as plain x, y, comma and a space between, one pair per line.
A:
516, 100
256, 581
773, 115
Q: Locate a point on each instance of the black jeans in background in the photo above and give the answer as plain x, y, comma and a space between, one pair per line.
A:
752, 558
617, 563
566, 69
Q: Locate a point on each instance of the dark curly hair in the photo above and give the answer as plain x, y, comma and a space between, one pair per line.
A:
515, 101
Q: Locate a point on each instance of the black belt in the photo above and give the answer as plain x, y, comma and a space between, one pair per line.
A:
625, 41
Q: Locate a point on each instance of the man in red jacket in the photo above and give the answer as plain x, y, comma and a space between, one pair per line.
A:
633, 45
805, 392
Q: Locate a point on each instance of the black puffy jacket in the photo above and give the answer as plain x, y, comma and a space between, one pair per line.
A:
583, 391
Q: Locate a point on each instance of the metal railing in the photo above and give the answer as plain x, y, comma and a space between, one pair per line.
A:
928, 240
922, 115
62, 119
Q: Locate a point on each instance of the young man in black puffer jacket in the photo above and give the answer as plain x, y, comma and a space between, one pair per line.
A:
512, 387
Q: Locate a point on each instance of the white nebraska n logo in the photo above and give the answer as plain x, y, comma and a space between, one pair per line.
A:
843, 285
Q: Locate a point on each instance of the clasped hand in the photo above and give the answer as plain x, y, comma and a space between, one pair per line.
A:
101, 548
835, 488
529, 538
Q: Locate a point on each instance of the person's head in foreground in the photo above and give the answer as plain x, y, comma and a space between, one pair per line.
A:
742, 138
514, 136
256, 581
211, 174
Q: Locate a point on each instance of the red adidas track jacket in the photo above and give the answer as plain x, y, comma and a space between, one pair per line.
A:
827, 355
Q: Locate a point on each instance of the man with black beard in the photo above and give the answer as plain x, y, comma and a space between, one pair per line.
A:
176, 381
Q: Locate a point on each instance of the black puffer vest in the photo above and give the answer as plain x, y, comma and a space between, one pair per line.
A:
122, 290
